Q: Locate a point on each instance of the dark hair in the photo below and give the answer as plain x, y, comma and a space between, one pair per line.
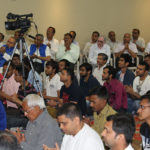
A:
7, 62
111, 70
8, 141
146, 96
137, 30
68, 34
74, 33
53, 29
70, 110
100, 91
96, 32
16, 55
123, 124
127, 58
18, 68
148, 55
53, 64
2, 36
87, 66
105, 57
70, 72
143, 63
40, 35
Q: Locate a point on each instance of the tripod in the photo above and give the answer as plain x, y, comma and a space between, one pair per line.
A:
22, 43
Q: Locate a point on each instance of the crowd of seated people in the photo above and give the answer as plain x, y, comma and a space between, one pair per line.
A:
49, 83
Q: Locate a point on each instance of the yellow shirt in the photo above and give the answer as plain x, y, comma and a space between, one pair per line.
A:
100, 119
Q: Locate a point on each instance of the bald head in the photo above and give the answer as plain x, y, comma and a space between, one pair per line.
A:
127, 38
11, 42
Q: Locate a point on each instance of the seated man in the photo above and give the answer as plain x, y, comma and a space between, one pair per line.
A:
126, 47
116, 90
139, 41
141, 85
112, 42
147, 60
68, 50
41, 128
70, 91
99, 98
51, 42
40, 53
100, 47
8, 141
93, 41
125, 75
118, 132
101, 63
73, 33
7, 50
144, 114
78, 135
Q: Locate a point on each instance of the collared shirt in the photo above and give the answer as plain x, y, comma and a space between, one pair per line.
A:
10, 87
141, 87
54, 46
95, 50
71, 55
97, 73
129, 147
53, 85
85, 139
32, 80
117, 94
100, 119
147, 49
43, 130
37, 52
121, 46
87, 48
140, 42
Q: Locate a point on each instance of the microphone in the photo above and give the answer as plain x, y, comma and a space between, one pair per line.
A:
32, 37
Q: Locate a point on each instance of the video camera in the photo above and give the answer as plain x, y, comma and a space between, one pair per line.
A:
21, 22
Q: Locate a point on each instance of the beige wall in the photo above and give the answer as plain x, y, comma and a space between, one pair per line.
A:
83, 16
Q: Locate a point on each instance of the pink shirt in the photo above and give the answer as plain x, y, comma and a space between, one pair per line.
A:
10, 87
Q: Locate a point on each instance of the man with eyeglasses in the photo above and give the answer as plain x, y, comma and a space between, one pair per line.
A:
99, 47
41, 128
144, 114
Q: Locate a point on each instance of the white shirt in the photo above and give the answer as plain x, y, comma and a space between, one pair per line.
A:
87, 48
121, 46
47, 53
140, 42
85, 139
95, 50
54, 46
97, 73
141, 87
71, 55
53, 85
113, 45
1, 44
147, 49
129, 147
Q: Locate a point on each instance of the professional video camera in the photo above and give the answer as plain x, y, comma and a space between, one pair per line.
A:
21, 22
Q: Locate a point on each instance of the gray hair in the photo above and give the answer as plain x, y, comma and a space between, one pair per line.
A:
34, 100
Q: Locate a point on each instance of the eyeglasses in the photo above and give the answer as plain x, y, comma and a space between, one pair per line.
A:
27, 111
143, 107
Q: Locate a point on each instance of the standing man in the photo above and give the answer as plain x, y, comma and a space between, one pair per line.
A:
116, 90
78, 135
118, 132
51, 42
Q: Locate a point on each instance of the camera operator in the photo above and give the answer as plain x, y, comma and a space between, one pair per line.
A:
39, 52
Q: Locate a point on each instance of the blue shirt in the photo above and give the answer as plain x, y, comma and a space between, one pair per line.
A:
2, 117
